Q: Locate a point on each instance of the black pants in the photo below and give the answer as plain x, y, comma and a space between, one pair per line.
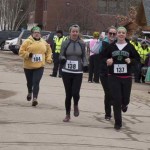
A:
57, 65
107, 97
141, 75
33, 77
137, 71
94, 68
72, 83
120, 89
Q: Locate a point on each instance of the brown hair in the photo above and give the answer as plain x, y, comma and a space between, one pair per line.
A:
111, 27
75, 26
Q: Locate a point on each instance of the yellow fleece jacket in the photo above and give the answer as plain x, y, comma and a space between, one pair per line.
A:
41, 53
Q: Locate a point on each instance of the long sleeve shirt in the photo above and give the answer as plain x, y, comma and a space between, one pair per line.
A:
75, 54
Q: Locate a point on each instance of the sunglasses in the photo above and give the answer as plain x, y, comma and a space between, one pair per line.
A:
111, 33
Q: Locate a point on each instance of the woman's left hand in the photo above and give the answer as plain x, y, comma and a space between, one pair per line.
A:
128, 60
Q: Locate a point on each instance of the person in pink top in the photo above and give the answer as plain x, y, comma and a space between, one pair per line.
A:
93, 61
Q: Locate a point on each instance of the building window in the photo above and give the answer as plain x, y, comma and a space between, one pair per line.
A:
110, 6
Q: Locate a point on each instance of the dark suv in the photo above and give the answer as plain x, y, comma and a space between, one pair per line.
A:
7, 35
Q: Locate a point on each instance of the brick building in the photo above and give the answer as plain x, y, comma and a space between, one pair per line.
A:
56, 14
89, 14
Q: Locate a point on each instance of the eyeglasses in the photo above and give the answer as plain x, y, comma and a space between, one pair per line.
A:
111, 33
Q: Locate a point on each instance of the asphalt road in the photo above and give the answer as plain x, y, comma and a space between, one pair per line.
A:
23, 127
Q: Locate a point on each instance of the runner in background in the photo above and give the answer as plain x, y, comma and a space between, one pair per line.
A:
120, 56
35, 53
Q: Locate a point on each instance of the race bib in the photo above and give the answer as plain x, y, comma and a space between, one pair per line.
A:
72, 65
120, 68
37, 58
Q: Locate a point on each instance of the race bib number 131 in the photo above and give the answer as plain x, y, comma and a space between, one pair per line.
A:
120, 68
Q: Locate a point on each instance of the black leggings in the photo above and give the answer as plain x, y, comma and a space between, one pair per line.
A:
94, 68
33, 77
120, 89
57, 65
107, 97
72, 83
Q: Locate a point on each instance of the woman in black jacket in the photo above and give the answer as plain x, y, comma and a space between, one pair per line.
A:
111, 36
120, 56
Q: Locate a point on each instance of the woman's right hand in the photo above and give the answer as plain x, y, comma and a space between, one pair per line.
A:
109, 62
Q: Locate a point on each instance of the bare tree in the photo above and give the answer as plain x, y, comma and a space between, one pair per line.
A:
13, 13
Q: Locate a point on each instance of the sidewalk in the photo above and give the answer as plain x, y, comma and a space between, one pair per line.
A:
23, 127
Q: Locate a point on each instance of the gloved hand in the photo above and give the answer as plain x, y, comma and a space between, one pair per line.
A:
30, 55
85, 68
63, 61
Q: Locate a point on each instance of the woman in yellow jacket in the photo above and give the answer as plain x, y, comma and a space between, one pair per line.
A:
35, 52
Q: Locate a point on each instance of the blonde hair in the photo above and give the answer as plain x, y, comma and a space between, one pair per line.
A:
96, 34
121, 28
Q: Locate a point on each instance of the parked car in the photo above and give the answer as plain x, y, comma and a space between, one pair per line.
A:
14, 45
87, 38
146, 33
140, 40
7, 35
10, 42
